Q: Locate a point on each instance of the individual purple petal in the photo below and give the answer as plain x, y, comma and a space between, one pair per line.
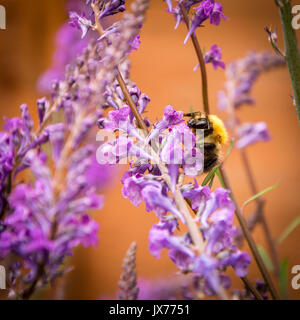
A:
56, 136
42, 105
221, 234
217, 14
156, 201
173, 172
113, 7
137, 170
160, 238
214, 56
26, 118
206, 267
80, 22
133, 188
169, 3
239, 261
219, 200
197, 194
171, 118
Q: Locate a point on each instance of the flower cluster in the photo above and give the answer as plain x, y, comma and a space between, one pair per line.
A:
207, 9
241, 76
166, 155
15, 142
68, 45
215, 211
43, 219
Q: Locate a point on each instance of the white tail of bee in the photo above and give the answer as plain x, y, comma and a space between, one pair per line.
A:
2, 18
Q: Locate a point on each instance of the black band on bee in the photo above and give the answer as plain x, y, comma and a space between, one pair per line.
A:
209, 146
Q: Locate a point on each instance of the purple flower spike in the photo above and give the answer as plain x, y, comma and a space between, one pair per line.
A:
251, 133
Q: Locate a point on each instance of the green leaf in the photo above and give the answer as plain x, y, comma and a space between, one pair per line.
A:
211, 181
218, 173
283, 277
229, 149
289, 230
264, 255
215, 169
260, 194
210, 175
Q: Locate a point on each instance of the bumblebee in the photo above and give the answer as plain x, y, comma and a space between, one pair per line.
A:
215, 135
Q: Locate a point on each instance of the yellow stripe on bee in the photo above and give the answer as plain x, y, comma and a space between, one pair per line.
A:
219, 131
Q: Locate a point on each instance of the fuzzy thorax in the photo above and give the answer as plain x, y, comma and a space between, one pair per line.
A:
219, 131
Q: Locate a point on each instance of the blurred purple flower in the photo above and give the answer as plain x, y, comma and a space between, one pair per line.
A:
113, 7
80, 22
250, 133
241, 76
214, 56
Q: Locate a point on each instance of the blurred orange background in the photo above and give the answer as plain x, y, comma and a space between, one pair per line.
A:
163, 68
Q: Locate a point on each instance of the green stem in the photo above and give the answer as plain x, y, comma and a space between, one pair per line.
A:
262, 218
252, 288
220, 172
200, 59
291, 49
249, 238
